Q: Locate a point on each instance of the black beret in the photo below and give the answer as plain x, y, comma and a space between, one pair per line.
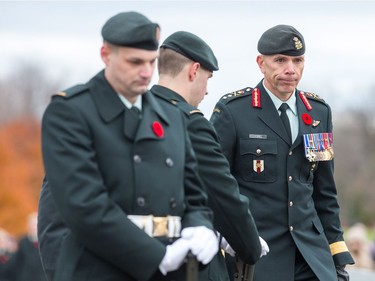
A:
131, 29
281, 39
192, 47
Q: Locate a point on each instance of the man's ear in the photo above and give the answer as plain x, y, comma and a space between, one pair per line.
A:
193, 70
260, 62
104, 53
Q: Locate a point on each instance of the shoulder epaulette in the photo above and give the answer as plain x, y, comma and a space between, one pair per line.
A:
188, 109
75, 90
236, 94
313, 96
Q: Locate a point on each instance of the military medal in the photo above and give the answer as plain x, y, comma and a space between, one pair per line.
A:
318, 147
258, 166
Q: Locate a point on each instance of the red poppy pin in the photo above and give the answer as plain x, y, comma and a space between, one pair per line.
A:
158, 129
307, 119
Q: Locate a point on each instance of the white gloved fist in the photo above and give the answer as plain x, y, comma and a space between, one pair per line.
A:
265, 248
203, 242
227, 248
174, 256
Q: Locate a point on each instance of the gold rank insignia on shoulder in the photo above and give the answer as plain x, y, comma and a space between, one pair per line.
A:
195, 111
314, 96
61, 94
217, 110
236, 93
318, 147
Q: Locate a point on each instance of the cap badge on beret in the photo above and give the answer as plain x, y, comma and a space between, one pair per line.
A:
297, 43
282, 39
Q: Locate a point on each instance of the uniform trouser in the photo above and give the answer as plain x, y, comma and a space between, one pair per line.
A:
302, 271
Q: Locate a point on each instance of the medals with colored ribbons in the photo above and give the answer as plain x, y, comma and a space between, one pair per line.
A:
318, 147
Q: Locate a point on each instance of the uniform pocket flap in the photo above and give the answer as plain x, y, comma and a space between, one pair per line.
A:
258, 147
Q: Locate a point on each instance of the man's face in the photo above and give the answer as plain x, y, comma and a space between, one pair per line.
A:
129, 70
281, 73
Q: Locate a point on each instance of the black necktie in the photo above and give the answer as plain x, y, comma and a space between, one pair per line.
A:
132, 119
284, 117
136, 115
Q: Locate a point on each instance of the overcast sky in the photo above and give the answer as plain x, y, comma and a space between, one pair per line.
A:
64, 38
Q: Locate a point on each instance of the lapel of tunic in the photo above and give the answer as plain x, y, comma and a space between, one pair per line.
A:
105, 98
153, 116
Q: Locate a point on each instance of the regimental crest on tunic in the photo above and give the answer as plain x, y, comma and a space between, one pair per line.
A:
258, 166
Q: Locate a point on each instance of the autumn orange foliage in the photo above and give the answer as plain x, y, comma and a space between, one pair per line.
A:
21, 173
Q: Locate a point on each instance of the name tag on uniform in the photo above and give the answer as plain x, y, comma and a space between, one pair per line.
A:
318, 147
255, 136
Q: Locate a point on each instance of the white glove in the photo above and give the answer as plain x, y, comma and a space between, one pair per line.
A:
203, 242
174, 256
227, 248
265, 248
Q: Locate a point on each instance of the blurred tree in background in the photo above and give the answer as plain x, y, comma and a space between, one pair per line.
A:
20, 174
354, 143
23, 97
25, 94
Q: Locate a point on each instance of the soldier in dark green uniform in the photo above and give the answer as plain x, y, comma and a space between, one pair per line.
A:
185, 64
120, 185
285, 170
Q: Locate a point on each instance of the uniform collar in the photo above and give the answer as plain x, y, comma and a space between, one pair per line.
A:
128, 104
167, 93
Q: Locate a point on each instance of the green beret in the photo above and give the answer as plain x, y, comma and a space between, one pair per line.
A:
131, 29
282, 39
192, 47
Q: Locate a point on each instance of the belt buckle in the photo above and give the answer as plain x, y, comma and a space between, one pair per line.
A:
160, 226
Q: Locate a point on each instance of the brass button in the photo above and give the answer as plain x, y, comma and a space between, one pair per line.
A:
290, 178
290, 152
291, 228
258, 151
290, 203
137, 159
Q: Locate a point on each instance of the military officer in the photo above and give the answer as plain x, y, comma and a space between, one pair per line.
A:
293, 196
120, 183
185, 65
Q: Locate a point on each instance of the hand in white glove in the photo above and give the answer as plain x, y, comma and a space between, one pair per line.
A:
203, 242
174, 256
265, 248
227, 248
